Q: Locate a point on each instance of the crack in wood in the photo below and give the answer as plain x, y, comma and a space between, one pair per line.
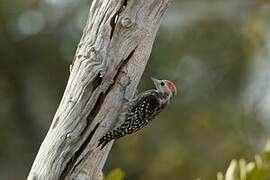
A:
125, 3
77, 154
96, 82
71, 164
115, 18
113, 23
120, 68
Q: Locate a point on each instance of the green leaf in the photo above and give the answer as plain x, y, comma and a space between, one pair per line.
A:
116, 174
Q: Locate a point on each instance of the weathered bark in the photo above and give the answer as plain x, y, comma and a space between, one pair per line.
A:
108, 65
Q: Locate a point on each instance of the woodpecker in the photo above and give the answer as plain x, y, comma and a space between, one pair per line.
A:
142, 110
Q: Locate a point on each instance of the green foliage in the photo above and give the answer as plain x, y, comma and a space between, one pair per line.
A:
116, 174
259, 169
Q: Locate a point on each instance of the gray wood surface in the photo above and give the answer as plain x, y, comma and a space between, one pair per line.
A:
109, 62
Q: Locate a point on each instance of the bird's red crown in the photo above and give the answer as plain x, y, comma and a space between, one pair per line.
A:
171, 85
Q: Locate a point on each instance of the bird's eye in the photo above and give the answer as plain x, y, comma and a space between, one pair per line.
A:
162, 83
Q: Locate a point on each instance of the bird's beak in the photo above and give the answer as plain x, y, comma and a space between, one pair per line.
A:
155, 81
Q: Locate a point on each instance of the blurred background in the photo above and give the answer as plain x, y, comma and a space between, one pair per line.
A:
218, 53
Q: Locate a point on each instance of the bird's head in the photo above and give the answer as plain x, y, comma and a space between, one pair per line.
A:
165, 87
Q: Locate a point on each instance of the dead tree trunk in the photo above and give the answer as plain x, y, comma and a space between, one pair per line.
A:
108, 65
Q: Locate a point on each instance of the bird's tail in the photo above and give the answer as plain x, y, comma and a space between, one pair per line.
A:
114, 134
103, 141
